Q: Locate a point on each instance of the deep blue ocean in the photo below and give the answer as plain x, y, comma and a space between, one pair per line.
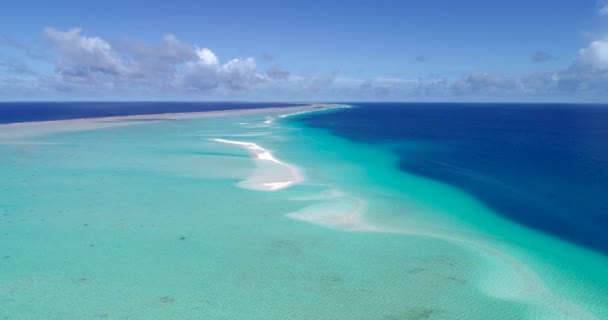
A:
541, 165
41, 111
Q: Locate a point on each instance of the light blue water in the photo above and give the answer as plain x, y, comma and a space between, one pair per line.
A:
149, 221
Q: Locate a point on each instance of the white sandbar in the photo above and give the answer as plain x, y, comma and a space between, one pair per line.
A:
271, 174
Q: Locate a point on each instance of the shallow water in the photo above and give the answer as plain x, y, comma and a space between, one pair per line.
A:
154, 221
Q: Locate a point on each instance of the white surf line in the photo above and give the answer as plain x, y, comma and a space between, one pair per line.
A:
316, 108
279, 175
283, 116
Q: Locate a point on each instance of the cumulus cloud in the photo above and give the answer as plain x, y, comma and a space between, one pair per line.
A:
207, 57
588, 73
84, 61
240, 73
594, 56
83, 53
203, 73
88, 65
171, 49
206, 72
157, 60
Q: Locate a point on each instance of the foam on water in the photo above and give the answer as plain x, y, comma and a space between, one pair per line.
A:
316, 109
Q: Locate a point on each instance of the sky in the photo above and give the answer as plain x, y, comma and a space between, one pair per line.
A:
408, 50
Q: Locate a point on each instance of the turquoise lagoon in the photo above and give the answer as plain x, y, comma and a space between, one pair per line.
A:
250, 215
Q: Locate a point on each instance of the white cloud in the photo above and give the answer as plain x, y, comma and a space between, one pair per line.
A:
204, 73
207, 73
93, 54
174, 49
595, 55
207, 57
92, 65
152, 57
92, 61
240, 73
155, 63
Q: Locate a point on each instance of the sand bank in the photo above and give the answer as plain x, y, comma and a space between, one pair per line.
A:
270, 174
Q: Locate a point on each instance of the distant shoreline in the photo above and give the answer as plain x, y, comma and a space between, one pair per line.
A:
51, 111
166, 115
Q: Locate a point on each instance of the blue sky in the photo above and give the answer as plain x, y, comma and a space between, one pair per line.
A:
305, 50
